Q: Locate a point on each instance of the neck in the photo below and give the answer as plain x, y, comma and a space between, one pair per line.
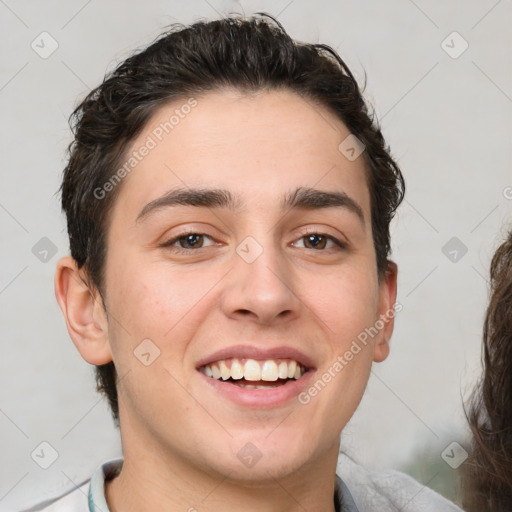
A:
154, 479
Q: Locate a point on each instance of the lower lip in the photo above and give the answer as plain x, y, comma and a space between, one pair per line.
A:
260, 398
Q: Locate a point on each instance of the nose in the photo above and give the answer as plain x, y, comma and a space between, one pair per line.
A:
262, 290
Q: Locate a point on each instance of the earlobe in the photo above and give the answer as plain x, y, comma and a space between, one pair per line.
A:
386, 320
83, 312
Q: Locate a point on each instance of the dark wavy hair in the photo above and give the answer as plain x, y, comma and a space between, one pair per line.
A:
246, 54
488, 473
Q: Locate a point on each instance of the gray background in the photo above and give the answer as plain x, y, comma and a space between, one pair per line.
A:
448, 121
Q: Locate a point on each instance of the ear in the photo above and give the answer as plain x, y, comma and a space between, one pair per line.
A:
387, 299
83, 311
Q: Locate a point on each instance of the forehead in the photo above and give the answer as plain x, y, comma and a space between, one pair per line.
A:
261, 146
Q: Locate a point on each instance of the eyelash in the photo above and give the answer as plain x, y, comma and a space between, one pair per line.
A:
180, 250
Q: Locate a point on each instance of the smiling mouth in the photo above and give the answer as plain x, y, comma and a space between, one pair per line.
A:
255, 374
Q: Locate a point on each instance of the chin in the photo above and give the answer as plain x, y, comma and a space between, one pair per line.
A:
257, 458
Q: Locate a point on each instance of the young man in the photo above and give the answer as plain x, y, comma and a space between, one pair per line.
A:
228, 202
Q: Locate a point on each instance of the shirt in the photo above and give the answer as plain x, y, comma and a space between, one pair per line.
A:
356, 490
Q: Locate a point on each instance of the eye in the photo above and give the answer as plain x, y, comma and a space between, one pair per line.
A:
187, 242
319, 241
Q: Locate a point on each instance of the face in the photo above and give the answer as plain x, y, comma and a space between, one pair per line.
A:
234, 292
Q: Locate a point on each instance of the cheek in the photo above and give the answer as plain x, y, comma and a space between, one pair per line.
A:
347, 303
340, 383
151, 300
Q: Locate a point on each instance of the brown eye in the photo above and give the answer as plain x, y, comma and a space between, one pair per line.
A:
187, 242
191, 241
317, 241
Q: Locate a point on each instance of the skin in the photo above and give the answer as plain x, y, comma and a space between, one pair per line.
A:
180, 438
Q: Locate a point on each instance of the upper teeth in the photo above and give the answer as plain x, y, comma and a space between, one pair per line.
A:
269, 370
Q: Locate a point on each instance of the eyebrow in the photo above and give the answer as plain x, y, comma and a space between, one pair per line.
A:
301, 198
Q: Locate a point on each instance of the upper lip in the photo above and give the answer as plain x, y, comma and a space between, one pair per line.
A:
253, 352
